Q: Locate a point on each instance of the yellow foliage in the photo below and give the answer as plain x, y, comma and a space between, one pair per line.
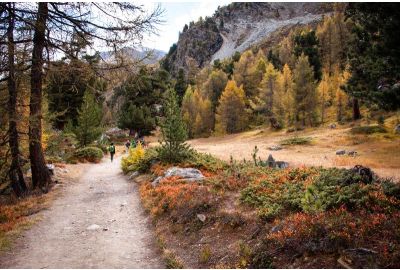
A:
130, 162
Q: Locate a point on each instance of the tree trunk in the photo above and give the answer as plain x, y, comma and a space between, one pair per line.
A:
15, 173
40, 174
356, 109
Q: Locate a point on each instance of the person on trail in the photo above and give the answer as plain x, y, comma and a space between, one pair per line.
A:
127, 145
133, 143
111, 149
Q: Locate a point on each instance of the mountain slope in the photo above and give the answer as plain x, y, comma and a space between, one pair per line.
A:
237, 27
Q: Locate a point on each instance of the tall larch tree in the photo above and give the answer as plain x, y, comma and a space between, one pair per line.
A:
231, 114
264, 101
304, 89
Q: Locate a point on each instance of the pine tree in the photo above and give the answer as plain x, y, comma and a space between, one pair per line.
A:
89, 120
231, 115
304, 92
180, 85
174, 133
137, 119
306, 42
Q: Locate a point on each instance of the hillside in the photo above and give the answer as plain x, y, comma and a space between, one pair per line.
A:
237, 27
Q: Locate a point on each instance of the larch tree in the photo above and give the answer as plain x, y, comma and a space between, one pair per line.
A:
53, 25
231, 113
263, 103
15, 172
243, 73
214, 85
304, 89
323, 94
283, 97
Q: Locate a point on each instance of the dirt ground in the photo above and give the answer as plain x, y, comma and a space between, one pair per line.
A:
98, 222
382, 155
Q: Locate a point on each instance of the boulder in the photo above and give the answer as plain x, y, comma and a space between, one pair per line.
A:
397, 129
187, 174
367, 175
340, 152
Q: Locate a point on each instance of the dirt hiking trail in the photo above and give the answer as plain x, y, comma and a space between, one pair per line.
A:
97, 223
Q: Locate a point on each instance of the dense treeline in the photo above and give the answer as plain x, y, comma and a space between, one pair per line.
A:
313, 76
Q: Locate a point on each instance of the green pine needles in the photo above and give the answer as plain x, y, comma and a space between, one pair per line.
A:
173, 148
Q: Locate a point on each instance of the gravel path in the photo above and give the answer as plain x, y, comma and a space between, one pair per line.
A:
97, 223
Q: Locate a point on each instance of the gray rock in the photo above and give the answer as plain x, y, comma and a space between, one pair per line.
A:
201, 217
275, 148
352, 153
187, 174
332, 126
133, 175
156, 181
397, 129
340, 152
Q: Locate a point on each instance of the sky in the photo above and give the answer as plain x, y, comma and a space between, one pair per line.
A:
175, 16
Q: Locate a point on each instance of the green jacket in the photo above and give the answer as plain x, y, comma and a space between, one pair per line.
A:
111, 149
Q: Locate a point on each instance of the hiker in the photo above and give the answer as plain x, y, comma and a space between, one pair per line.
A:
127, 145
111, 149
133, 143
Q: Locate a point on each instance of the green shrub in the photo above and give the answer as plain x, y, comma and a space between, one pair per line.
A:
334, 188
391, 189
296, 141
206, 161
368, 129
89, 153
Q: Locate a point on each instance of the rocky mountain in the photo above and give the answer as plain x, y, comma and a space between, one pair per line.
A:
145, 55
237, 27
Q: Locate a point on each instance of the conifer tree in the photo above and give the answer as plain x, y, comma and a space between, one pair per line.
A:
174, 133
214, 85
137, 119
285, 84
323, 94
304, 92
231, 115
244, 73
263, 102
89, 119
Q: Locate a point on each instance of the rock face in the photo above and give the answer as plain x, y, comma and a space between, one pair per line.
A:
236, 27
187, 174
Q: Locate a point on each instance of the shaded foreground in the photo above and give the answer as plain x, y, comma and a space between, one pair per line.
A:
98, 223
246, 216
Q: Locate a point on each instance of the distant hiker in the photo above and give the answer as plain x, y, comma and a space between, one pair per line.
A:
111, 149
133, 143
127, 145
